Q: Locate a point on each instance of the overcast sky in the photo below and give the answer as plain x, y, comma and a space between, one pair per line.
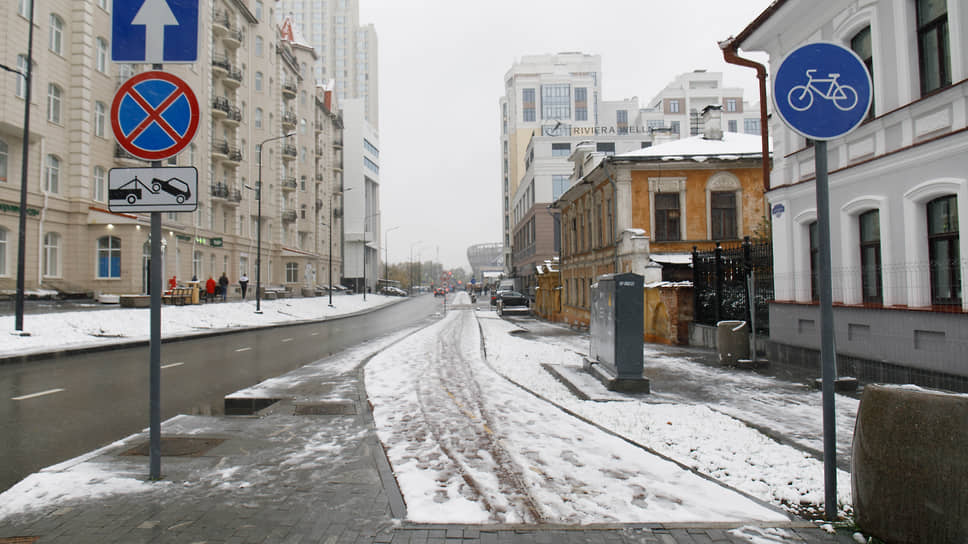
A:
442, 65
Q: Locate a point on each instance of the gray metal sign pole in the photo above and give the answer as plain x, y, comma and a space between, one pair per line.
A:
828, 354
155, 284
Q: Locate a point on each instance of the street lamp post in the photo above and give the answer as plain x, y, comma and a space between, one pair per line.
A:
332, 223
411, 264
386, 255
258, 244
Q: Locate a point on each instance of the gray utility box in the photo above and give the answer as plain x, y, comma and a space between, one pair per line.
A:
617, 327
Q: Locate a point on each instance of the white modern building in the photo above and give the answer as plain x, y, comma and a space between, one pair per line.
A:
898, 193
361, 197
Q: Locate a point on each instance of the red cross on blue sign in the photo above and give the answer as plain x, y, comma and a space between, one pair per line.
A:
154, 115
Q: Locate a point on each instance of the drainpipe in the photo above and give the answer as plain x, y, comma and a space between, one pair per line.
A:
611, 180
729, 47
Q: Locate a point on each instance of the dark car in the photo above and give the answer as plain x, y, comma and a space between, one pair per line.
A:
496, 295
512, 302
174, 186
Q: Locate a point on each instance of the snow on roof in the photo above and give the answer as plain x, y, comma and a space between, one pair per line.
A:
733, 146
671, 258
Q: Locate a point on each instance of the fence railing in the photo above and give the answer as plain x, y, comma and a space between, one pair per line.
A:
720, 283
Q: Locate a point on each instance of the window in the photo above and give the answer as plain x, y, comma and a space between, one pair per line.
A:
23, 8
732, 125
814, 260
54, 103
258, 81
108, 257
560, 150
103, 4
943, 253
667, 216
258, 9
3, 251
99, 186
258, 118
861, 44
559, 184
730, 104
723, 215
673, 106
21, 82
751, 126
51, 264
654, 123
934, 56
102, 55
581, 104
4, 157
100, 111
292, 272
259, 44
870, 256
556, 101
622, 121
674, 127
527, 104
607, 148
52, 174
55, 37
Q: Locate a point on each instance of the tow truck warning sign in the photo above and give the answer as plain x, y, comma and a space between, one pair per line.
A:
172, 189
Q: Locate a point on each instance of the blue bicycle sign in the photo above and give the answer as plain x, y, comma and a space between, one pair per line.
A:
844, 97
822, 90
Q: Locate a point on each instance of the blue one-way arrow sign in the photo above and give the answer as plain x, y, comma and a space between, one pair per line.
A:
154, 31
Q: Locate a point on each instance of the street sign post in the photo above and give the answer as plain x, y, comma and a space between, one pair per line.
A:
823, 90
165, 189
154, 115
154, 31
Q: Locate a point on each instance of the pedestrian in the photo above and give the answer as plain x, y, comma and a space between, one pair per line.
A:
244, 284
210, 289
223, 286
172, 283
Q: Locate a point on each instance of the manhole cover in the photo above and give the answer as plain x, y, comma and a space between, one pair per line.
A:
19, 539
325, 409
178, 446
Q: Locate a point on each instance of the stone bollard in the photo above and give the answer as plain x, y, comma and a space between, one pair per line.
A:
910, 465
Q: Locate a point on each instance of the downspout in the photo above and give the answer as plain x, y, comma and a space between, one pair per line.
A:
729, 47
611, 180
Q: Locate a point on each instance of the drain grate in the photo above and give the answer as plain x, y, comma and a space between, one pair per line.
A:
177, 446
325, 409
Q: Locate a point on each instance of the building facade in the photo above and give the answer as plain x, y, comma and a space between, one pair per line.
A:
644, 211
898, 190
252, 88
361, 198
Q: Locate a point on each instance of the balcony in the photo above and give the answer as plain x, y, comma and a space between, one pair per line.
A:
289, 89
318, 126
221, 65
319, 177
221, 23
220, 107
235, 155
289, 151
233, 38
220, 190
289, 119
220, 149
289, 184
234, 117
288, 216
233, 78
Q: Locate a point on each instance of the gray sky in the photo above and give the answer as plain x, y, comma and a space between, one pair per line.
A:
442, 67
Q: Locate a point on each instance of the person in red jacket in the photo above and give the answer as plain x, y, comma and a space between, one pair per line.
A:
210, 289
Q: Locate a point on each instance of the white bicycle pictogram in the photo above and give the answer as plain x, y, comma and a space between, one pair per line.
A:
800, 97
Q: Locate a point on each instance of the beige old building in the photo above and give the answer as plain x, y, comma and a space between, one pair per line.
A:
253, 82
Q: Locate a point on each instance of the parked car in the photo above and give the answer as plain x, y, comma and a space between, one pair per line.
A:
495, 295
439, 292
513, 302
393, 291
173, 186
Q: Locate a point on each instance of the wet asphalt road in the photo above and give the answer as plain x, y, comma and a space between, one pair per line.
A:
94, 399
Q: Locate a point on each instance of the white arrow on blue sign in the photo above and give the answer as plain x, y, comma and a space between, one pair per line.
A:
154, 31
822, 90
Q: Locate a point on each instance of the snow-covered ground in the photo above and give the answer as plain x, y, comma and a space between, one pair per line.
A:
483, 438
67, 330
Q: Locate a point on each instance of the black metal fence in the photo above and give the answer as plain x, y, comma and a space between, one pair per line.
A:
720, 283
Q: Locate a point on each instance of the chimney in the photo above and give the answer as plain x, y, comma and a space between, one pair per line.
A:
661, 135
712, 122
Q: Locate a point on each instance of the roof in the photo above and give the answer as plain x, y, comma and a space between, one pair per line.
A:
733, 146
757, 23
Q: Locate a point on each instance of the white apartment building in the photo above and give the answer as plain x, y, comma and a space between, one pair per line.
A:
361, 197
680, 104
252, 86
898, 193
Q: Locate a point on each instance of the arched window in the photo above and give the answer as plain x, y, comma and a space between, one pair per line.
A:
99, 187
55, 42
108, 257
258, 81
51, 255
100, 113
870, 256
259, 44
52, 174
102, 55
4, 154
21, 82
943, 250
54, 94
258, 118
